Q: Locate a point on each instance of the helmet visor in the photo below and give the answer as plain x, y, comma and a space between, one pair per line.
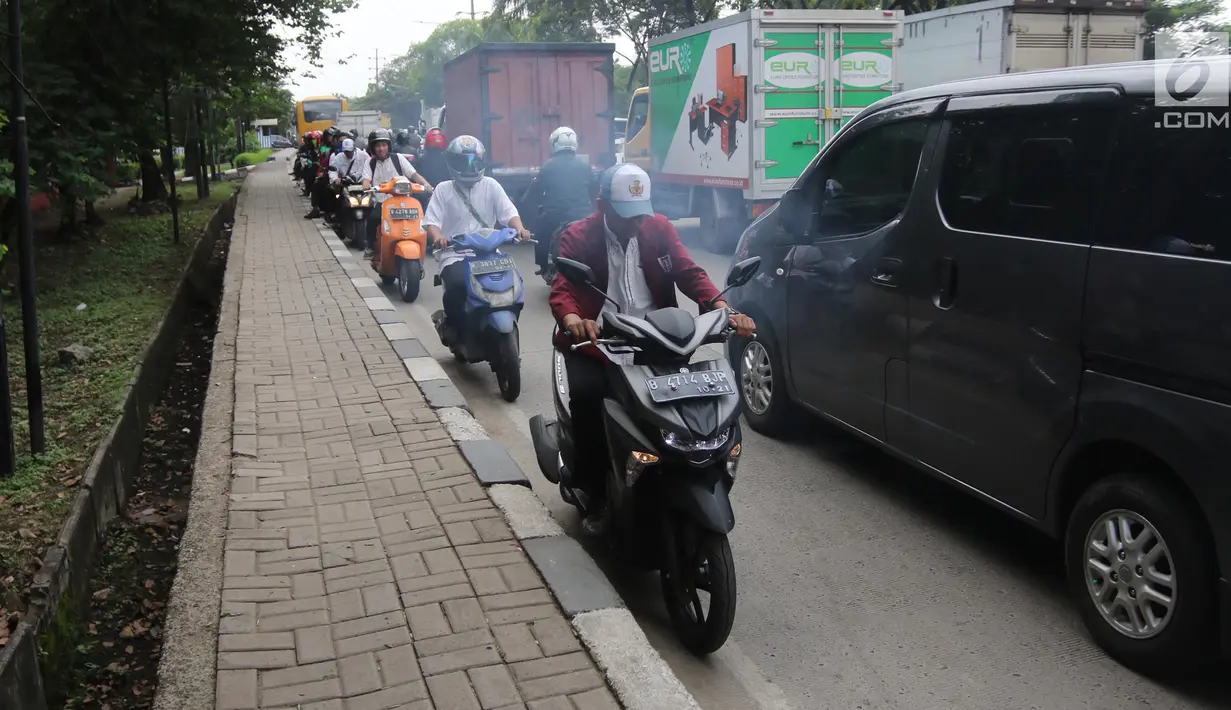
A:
467, 164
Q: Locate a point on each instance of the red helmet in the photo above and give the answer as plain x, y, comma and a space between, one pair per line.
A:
435, 138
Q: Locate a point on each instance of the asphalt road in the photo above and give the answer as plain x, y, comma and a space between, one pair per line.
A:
862, 584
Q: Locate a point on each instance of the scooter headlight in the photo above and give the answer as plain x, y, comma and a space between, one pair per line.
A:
367, 200
354, 202
689, 446
497, 299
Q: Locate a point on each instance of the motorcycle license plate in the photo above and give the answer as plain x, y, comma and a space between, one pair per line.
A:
687, 385
491, 266
403, 213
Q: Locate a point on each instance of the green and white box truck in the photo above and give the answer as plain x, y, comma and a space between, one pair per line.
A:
738, 107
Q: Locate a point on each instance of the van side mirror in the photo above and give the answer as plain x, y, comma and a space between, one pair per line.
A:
575, 272
794, 213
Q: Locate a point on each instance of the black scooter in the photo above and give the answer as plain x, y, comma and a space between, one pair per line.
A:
673, 446
355, 205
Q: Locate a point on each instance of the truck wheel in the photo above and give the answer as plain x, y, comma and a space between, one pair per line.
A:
1140, 565
718, 234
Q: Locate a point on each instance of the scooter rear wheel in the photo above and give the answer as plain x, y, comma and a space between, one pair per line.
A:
410, 273
701, 560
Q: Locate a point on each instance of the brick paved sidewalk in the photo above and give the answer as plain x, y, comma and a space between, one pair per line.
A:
365, 568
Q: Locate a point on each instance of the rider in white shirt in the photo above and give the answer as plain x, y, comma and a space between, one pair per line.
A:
383, 166
468, 202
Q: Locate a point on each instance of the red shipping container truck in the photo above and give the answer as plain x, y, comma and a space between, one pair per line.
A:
512, 96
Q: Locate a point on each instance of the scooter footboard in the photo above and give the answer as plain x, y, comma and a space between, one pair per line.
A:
700, 495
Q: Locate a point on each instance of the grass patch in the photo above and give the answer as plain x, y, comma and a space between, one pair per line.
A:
244, 160
125, 275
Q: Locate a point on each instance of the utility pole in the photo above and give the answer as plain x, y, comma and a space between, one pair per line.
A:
25, 236
472, 10
377, 69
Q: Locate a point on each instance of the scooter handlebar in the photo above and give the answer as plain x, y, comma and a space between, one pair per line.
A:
601, 341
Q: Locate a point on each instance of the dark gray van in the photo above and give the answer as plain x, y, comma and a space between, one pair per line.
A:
1020, 284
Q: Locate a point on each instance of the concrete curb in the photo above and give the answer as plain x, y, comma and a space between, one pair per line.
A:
637, 674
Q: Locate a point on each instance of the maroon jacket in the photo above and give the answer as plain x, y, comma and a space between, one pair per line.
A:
664, 260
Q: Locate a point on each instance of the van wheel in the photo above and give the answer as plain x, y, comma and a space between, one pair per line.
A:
1140, 566
758, 369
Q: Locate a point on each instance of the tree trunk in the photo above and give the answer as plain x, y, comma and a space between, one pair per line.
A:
192, 159
168, 164
68, 213
91, 216
152, 186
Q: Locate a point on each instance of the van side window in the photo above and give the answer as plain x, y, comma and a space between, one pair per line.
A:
1173, 187
869, 181
1026, 173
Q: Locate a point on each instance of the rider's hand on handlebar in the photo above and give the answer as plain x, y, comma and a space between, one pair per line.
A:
440, 241
581, 329
743, 325
524, 235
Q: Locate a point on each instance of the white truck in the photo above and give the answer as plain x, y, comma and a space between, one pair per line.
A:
359, 124
737, 108
1002, 36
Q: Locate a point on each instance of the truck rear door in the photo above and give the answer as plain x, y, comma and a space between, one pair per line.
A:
813, 79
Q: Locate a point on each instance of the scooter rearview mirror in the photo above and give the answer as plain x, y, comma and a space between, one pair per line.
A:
580, 274
575, 272
739, 275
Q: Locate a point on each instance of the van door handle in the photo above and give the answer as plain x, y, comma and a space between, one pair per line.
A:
887, 273
947, 289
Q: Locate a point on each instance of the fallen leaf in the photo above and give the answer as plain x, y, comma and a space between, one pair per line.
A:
102, 593
72, 481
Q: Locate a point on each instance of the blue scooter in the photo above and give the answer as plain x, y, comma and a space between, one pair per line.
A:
494, 299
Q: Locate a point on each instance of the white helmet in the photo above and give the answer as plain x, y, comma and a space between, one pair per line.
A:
563, 138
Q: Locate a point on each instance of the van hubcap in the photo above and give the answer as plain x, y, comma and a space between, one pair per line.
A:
757, 378
1129, 574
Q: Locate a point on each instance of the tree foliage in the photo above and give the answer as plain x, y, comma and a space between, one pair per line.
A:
95, 71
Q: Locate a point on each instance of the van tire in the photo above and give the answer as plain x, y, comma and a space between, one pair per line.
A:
777, 420
1188, 641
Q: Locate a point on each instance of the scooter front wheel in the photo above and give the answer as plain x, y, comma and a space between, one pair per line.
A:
508, 369
700, 561
410, 273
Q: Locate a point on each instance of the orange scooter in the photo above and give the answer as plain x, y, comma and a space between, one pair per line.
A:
401, 240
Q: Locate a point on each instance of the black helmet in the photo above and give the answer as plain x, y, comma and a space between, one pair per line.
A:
332, 132
403, 137
372, 135
380, 134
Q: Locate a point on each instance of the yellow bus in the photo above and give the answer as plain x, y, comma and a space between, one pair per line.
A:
316, 113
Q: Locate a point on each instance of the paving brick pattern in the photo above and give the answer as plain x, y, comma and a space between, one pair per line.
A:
365, 567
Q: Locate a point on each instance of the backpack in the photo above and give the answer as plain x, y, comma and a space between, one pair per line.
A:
397, 163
